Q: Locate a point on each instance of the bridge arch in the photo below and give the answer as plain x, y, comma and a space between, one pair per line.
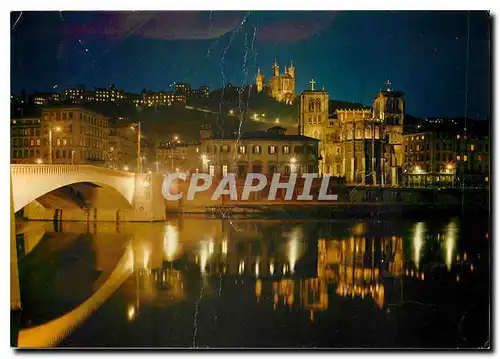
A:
30, 182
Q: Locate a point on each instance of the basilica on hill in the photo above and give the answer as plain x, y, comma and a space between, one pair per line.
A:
365, 146
280, 87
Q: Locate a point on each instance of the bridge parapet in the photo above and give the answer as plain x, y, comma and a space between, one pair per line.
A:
34, 169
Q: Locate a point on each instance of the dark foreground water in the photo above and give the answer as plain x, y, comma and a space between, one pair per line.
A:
265, 283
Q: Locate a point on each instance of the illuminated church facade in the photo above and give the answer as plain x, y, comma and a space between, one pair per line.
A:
280, 87
365, 146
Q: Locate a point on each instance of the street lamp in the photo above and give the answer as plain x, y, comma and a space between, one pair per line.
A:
39, 161
277, 120
137, 126
56, 129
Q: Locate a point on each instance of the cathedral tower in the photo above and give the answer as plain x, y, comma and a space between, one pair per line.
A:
276, 69
291, 70
313, 118
280, 87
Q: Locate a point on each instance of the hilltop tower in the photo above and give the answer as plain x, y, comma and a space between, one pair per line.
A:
276, 69
291, 70
280, 87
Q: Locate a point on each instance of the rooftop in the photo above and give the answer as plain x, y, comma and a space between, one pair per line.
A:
263, 135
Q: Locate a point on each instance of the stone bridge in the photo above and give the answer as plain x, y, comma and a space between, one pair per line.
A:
80, 193
85, 192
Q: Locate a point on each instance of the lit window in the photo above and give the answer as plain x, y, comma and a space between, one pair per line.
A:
423, 137
286, 149
458, 158
465, 157
272, 150
472, 147
242, 150
257, 149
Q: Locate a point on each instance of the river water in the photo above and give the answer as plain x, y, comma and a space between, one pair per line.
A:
201, 282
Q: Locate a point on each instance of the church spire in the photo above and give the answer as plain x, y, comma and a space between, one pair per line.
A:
291, 69
276, 69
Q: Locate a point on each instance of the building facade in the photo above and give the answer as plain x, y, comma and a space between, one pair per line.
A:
162, 98
180, 157
74, 136
260, 152
26, 143
443, 159
122, 154
281, 87
361, 145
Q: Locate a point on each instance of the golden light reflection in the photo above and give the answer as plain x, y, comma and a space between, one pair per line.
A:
257, 269
131, 313
171, 242
146, 257
211, 247
224, 246
418, 242
203, 258
258, 289
241, 267
271, 268
294, 247
450, 240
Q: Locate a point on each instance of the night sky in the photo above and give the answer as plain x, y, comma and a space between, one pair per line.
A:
351, 54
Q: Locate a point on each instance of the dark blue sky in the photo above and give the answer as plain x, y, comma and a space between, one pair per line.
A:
351, 53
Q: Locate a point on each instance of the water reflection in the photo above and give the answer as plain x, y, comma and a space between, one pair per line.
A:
306, 266
418, 242
450, 239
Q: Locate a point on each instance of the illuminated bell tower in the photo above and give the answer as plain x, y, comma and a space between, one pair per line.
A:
276, 69
389, 108
291, 69
313, 118
259, 81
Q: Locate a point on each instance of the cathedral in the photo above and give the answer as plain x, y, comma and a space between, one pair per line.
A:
281, 87
365, 146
